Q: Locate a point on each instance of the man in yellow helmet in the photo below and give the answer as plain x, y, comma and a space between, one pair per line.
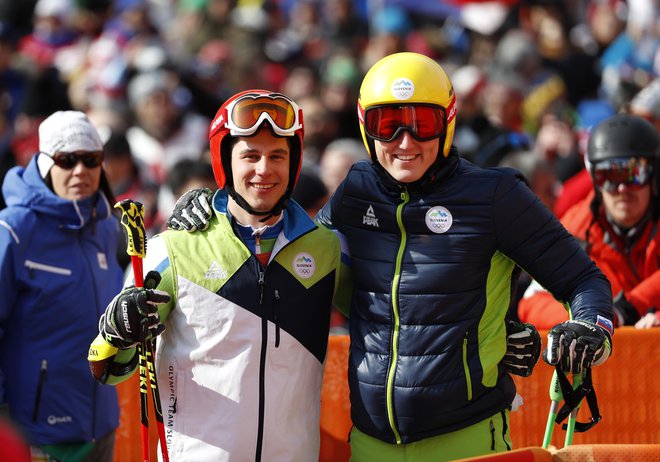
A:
434, 244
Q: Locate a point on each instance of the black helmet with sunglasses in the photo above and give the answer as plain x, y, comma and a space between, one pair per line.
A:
625, 149
623, 135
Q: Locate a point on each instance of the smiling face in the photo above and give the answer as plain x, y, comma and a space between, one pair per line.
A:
627, 205
77, 183
260, 171
405, 158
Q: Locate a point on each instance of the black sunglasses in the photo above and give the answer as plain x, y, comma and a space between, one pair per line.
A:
68, 160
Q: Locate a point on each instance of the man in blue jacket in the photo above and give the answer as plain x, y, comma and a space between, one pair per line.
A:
434, 244
58, 271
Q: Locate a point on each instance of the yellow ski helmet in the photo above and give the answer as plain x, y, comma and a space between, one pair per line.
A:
408, 78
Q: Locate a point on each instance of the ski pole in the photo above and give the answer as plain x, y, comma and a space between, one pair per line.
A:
572, 418
555, 399
155, 394
144, 410
132, 218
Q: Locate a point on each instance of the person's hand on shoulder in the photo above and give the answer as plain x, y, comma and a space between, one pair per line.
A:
192, 211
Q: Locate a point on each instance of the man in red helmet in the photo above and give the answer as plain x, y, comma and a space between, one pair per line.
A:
243, 306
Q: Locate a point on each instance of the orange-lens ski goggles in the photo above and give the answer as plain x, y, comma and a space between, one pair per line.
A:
247, 113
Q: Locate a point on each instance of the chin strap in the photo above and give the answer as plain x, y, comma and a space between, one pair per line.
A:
266, 215
573, 397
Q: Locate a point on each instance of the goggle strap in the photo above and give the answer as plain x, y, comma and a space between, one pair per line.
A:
451, 110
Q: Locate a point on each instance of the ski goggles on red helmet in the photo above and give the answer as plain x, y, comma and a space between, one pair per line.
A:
632, 171
424, 122
246, 114
68, 160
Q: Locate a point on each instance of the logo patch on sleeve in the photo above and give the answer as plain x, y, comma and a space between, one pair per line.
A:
103, 261
605, 324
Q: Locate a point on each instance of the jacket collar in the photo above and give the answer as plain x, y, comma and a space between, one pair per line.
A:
296, 221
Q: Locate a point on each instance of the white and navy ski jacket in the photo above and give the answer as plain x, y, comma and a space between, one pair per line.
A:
58, 272
240, 364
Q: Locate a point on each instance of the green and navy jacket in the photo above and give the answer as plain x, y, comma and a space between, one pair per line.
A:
240, 364
433, 267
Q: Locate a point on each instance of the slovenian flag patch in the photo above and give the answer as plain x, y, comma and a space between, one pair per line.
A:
605, 324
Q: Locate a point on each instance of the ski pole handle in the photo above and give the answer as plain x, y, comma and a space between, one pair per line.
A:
132, 218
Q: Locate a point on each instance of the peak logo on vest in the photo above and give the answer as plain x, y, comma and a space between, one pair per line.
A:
304, 265
439, 219
369, 218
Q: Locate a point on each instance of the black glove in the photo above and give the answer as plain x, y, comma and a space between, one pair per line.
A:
523, 348
192, 211
624, 311
576, 346
132, 316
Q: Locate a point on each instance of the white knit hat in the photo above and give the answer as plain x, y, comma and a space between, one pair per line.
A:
66, 131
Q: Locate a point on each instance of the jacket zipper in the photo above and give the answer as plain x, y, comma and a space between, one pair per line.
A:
492, 435
466, 368
40, 386
33, 265
505, 429
262, 368
276, 318
395, 315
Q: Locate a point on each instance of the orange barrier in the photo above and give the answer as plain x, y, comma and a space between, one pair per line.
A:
335, 406
609, 453
626, 387
517, 455
578, 453
128, 443
627, 391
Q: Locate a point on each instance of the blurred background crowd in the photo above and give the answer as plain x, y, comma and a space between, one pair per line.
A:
531, 77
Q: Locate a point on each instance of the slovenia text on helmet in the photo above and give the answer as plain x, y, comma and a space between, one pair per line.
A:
408, 79
243, 115
621, 137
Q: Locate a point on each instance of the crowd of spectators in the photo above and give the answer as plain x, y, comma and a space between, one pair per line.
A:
531, 77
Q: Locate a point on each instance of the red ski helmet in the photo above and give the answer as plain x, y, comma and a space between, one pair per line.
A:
242, 115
